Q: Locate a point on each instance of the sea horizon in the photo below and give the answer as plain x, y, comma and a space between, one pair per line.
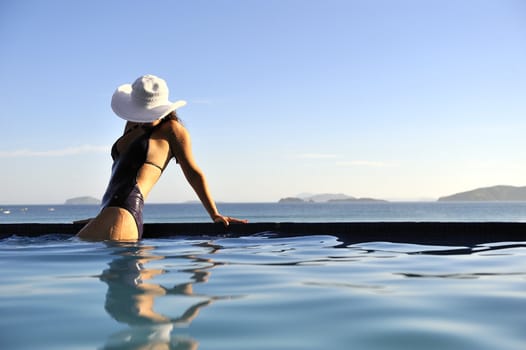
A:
409, 200
357, 211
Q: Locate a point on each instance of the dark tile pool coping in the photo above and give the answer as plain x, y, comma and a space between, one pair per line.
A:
434, 233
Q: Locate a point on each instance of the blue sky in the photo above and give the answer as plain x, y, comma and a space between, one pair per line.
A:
400, 100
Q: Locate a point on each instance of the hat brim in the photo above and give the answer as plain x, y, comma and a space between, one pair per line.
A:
124, 107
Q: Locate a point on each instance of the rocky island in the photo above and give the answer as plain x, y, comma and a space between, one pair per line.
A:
494, 193
326, 198
82, 201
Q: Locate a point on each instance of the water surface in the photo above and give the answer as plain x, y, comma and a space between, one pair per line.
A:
287, 212
260, 292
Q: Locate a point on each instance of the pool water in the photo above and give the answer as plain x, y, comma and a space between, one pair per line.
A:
260, 292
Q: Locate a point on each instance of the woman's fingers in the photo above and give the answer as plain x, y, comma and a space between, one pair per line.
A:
226, 220
237, 221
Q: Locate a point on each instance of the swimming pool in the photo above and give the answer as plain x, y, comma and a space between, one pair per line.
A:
260, 292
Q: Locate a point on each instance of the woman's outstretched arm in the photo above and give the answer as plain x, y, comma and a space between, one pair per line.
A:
181, 147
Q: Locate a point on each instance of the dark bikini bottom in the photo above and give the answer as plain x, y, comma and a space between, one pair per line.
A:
133, 203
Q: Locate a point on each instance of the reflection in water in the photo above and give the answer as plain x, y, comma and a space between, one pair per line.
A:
131, 298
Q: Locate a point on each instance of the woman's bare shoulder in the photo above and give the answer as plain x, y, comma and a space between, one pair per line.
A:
176, 129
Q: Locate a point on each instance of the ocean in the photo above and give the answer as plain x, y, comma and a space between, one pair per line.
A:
263, 291
286, 212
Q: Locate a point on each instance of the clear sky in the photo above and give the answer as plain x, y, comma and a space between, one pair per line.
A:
390, 99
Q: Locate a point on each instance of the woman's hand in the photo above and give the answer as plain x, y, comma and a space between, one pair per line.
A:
227, 220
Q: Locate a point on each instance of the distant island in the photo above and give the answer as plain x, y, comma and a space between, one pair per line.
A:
502, 193
326, 198
494, 193
82, 201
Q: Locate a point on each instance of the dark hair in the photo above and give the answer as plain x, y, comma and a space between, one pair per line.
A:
173, 115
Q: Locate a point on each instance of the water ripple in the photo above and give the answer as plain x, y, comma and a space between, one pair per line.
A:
261, 292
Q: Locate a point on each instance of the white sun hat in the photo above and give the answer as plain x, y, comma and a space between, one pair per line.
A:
144, 101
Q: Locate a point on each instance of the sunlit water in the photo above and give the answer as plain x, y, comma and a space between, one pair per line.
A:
260, 292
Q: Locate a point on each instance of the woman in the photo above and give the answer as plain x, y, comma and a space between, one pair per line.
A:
152, 137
